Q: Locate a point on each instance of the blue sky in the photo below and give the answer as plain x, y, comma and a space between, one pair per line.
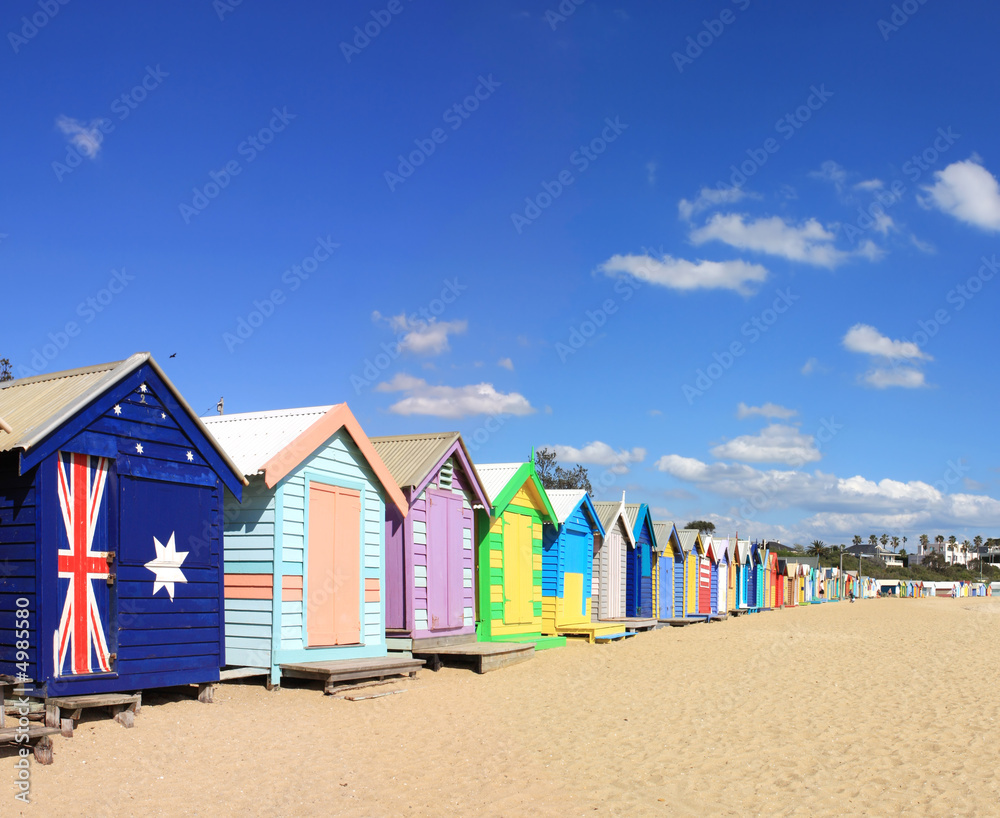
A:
737, 260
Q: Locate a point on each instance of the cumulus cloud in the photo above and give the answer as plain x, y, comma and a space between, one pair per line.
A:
808, 242
777, 443
905, 377
708, 198
422, 337
680, 274
839, 505
651, 172
767, 410
869, 341
967, 191
85, 138
597, 453
810, 366
506, 363
422, 398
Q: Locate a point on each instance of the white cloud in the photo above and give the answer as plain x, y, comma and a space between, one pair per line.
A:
452, 401
506, 363
830, 172
680, 274
597, 453
85, 138
869, 185
902, 376
842, 506
810, 366
422, 337
922, 246
777, 443
869, 341
708, 198
767, 410
967, 191
809, 242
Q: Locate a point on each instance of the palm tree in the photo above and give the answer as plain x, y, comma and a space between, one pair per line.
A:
904, 540
978, 540
924, 541
873, 541
856, 541
965, 551
817, 549
895, 543
884, 539
952, 547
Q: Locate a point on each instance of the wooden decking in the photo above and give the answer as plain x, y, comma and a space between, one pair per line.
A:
124, 707
681, 621
345, 670
633, 623
482, 656
604, 639
593, 632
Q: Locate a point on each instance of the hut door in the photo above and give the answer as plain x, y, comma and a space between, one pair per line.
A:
518, 572
597, 600
666, 586
445, 580
86, 574
333, 604
615, 548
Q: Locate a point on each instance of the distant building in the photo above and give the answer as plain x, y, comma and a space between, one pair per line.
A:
877, 552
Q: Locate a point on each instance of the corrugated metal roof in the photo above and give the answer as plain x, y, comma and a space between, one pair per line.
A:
5, 428
33, 407
607, 511
688, 537
495, 476
410, 457
253, 438
632, 513
662, 529
564, 501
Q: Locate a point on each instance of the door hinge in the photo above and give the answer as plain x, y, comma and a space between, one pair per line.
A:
111, 580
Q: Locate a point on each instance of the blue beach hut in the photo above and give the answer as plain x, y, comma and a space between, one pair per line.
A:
111, 510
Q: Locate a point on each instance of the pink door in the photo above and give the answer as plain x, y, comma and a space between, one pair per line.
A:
333, 606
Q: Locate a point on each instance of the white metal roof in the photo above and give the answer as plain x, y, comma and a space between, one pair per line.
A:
253, 438
495, 476
564, 501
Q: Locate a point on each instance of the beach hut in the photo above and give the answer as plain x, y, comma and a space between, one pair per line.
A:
429, 555
509, 555
610, 564
670, 565
731, 594
720, 581
772, 579
567, 568
639, 568
746, 590
111, 493
305, 552
694, 553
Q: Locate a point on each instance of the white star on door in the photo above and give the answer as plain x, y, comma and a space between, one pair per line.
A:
167, 566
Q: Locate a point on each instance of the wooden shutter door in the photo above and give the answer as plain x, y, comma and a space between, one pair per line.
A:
333, 607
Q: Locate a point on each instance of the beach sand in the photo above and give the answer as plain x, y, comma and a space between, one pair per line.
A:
877, 708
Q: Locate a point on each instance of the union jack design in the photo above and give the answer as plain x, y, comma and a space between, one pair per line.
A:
82, 480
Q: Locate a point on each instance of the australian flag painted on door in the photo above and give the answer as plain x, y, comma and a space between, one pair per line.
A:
83, 643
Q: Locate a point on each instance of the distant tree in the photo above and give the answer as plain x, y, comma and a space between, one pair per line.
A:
904, 540
554, 476
884, 539
934, 560
5, 373
902, 553
924, 542
978, 541
953, 547
857, 540
817, 548
704, 526
895, 543
873, 540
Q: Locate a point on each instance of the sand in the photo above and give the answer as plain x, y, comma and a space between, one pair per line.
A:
878, 708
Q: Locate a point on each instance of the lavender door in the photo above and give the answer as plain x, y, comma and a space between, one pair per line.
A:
445, 580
